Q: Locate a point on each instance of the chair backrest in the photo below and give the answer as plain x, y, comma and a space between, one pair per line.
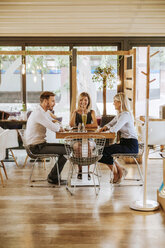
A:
140, 129
106, 119
4, 115
3, 138
22, 135
84, 149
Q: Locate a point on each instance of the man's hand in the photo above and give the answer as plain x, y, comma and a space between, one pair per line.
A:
105, 128
56, 121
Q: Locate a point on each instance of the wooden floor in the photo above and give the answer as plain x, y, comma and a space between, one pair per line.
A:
51, 217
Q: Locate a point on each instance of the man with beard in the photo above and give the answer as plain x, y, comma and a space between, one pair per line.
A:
37, 124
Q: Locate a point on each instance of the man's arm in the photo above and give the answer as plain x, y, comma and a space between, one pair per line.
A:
46, 122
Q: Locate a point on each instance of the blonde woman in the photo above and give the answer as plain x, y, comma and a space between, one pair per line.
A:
124, 123
84, 107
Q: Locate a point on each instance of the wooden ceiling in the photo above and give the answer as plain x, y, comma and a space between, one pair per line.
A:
82, 18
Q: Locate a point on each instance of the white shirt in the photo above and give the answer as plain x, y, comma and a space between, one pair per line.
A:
123, 123
37, 123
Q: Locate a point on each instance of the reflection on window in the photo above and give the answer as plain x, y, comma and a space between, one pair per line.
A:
85, 68
10, 80
157, 88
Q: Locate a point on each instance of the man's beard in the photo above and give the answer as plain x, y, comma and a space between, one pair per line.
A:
50, 107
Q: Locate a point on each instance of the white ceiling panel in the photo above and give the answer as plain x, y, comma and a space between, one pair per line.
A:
82, 18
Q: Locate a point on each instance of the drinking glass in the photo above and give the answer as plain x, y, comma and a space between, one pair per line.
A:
84, 120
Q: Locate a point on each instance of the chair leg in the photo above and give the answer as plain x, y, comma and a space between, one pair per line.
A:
76, 172
112, 174
1, 178
3, 166
35, 180
38, 180
93, 175
133, 179
14, 158
30, 178
139, 169
70, 173
25, 161
98, 173
99, 169
58, 174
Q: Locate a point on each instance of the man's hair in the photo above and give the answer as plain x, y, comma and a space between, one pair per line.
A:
46, 95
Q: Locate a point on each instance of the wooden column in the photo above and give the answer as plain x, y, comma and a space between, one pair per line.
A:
23, 76
146, 126
74, 80
130, 78
134, 82
104, 97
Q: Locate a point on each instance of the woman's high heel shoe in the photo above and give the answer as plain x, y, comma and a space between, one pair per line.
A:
119, 180
124, 174
112, 179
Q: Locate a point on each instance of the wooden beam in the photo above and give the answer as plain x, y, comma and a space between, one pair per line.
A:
74, 80
154, 54
152, 80
144, 73
26, 53
103, 53
131, 52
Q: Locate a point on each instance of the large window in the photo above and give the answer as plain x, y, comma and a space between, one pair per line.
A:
10, 80
49, 73
86, 65
157, 88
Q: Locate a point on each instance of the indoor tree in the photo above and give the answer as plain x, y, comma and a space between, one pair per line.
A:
106, 75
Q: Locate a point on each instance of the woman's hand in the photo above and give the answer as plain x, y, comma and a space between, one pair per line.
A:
105, 128
61, 129
72, 119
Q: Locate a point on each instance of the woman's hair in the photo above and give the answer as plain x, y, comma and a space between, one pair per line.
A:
125, 105
85, 94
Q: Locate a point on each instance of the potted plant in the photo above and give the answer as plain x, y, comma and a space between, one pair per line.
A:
105, 75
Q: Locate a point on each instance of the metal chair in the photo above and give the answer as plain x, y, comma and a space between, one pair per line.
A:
84, 150
36, 157
134, 156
